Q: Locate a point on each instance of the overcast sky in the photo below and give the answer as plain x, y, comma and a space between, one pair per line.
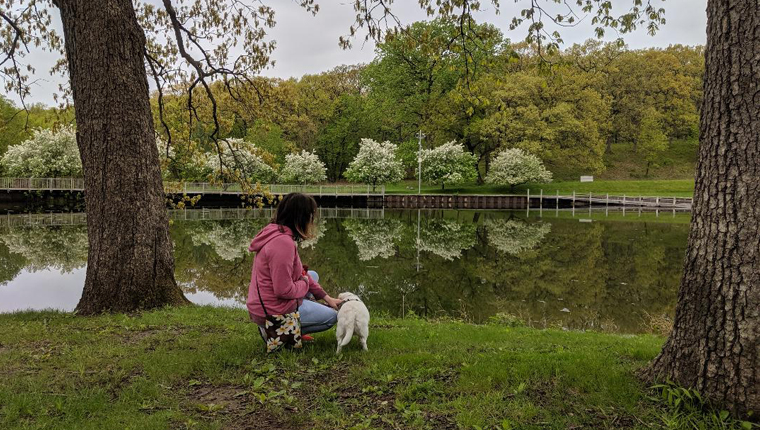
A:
309, 44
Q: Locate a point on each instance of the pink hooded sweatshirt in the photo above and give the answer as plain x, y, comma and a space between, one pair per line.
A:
278, 270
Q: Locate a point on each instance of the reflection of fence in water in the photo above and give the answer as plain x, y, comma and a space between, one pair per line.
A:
80, 218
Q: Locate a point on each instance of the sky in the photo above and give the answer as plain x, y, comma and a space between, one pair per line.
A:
308, 44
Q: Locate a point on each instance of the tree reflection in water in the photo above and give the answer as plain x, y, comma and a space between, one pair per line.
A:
608, 274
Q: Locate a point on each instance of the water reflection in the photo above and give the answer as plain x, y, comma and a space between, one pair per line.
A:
551, 271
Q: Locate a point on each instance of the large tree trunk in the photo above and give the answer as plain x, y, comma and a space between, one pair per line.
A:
715, 343
130, 265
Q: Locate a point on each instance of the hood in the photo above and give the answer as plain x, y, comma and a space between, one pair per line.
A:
268, 233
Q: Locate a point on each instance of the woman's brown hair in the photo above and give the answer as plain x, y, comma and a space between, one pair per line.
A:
297, 212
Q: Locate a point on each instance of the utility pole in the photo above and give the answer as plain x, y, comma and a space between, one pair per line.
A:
419, 162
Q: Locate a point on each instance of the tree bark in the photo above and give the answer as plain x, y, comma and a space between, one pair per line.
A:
130, 265
715, 343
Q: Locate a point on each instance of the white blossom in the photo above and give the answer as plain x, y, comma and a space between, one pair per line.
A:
48, 154
374, 238
449, 163
229, 239
240, 160
447, 238
61, 247
319, 230
515, 166
303, 168
375, 164
514, 237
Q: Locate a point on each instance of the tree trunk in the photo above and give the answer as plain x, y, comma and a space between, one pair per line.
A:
130, 265
715, 343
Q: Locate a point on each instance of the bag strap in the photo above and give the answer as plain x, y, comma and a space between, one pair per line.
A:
256, 281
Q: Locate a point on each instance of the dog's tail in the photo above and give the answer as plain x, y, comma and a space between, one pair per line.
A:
349, 333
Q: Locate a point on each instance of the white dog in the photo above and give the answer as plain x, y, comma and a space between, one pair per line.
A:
353, 316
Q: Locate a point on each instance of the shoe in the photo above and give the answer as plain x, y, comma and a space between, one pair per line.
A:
307, 338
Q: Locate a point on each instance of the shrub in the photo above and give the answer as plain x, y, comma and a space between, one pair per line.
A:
515, 166
240, 160
303, 168
448, 164
48, 154
375, 164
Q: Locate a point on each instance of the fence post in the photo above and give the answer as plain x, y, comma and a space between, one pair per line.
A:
573, 198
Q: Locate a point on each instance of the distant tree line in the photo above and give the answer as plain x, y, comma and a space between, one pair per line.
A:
567, 108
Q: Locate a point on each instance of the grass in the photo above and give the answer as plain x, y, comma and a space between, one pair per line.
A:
677, 162
204, 368
653, 188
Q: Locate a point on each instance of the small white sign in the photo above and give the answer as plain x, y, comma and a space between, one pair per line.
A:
587, 179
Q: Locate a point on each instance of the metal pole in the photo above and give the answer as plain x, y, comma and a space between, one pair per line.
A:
419, 162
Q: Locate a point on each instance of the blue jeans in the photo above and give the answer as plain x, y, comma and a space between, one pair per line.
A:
316, 317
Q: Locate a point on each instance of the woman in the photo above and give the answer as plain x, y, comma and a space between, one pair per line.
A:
278, 274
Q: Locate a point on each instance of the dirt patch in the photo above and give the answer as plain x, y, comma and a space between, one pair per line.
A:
362, 398
234, 406
131, 337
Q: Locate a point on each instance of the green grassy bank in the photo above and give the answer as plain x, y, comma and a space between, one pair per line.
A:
204, 368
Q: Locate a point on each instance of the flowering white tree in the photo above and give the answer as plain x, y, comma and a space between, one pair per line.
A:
515, 166
303, 168
48, 154
375, 164
240, 160
515, 237
449, 163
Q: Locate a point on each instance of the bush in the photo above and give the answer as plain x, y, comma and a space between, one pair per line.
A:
515, 166
448, 164
375, 164
240, 160
303, 168
48, 154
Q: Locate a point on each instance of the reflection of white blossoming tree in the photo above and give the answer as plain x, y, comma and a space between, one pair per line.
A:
229, 240
374, 238
62, 247
319, 231
514, 237
447, 238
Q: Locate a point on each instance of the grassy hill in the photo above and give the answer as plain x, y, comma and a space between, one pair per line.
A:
678, 162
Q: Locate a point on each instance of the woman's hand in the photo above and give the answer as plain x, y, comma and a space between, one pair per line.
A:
333, 303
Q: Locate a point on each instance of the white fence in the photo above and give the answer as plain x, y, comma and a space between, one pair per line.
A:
77, 184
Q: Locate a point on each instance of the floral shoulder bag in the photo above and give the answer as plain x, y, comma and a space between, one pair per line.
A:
280, 330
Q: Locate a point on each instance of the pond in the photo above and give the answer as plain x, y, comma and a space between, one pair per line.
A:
598, 271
